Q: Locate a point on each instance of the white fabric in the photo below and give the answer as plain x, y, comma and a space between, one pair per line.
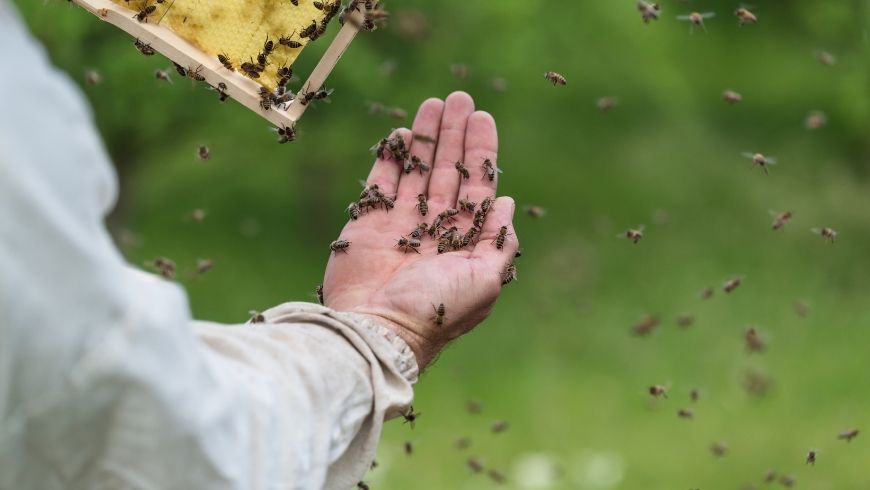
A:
106, 382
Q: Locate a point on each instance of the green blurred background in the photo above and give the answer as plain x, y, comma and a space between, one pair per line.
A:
557, 359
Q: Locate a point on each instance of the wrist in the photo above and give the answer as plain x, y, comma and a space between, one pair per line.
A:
423, 348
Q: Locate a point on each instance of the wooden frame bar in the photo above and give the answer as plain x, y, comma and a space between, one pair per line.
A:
239, 87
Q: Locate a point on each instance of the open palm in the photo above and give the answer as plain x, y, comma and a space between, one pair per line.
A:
401, 287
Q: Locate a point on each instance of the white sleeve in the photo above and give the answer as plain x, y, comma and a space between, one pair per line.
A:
105, 382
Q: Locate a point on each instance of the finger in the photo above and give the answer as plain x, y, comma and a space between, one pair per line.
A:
386, 173
495, 260
425, 129
481, 143
444, 182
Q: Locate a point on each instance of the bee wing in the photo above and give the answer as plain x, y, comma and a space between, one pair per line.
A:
770, 161
499, 170
749, 155
773, 213
708, 15
684, 17
640, 228
817, 231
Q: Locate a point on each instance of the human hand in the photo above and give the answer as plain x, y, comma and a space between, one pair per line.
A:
402, 288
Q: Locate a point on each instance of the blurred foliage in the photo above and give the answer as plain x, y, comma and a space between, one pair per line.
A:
556, 359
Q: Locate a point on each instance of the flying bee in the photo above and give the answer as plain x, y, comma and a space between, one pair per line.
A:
811, 457
438, 319
411, 416
286, 133
694, 394
406, 244
815, 120
760, 159
509, 274
290, 43
633, 234
319, 292
323, 94
142, 15
339, 245
769, 476
534, 211
658, 391
489, 169
361, 485
467, 205
92, 77
848, 435
787, 481
501, 237
555, 78
645, 326
162, 75
409, 448
685, 413
780, 219
697, 19
204, 265
474, 464
419, 231
256, 317
706, 293
463, 172
459, 71
756, 383
753, 340
826, 58
144, 48
499, 426
225, 60
353, 211
203, 153
801, 308
462, 443
648, 11
164, 266
718, 449
732, 284
685, 320
496, 476
397, 113
422, 205
745, 16
731, 97
829, 233
605, 104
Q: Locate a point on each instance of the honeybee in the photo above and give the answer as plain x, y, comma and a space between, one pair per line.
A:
194, 74
389, 203
486, 204
826, 58
489, 169
658, 391
756, 383
769, 476
310, 30
448, 215
295, 2
753, 340
397, 113
422, 205
694, 394
142, 15
443, 243
555, 78
697, 19
496, 476
475, 465
462, 443
419, 231
420, 164
780, 219
685, 320
406, 244
225, 60
801, 308
459, 71
498, 85
265, 99
479, 218
467, 205
409, 448
162, 75
534, 211
645, 326
815, 120
501, 237
197, 215
286, 133
744, 16
92, 77
204, 265
438, 319
353, 211
203, 153
499, 426
164, 266
648, 11
306, 97
706, 293
268, 46
731, 97
468, 237
289, 42
685, 413
787, 481
509, 274
339, 245
256, 317
760, 159
250, 69
362, 485
848, 435
463, 172
319, 292
411, 416
718, 449
732, 284
828, 233
811, 457
182, 71
144, 48
604, 104
633, 234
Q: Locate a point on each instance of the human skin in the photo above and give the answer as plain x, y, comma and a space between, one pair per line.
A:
401, 289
